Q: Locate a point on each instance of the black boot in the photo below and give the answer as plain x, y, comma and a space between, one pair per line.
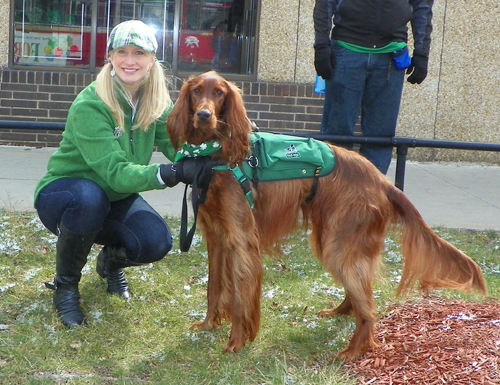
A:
110, 263
71, 256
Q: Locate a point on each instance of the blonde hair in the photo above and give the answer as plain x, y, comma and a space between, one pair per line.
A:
155, 97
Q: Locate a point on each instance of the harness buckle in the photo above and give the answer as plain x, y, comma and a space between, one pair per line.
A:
253, 161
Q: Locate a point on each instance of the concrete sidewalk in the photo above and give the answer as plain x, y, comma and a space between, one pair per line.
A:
453, 195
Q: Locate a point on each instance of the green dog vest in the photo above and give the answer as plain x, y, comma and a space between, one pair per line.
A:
273, 157
278, 157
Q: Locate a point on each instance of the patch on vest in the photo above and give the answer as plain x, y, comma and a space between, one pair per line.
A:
291, 152
279, 157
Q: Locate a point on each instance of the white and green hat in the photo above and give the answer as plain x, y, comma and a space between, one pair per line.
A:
133, 32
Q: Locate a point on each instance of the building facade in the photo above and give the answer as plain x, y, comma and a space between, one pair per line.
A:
50, 50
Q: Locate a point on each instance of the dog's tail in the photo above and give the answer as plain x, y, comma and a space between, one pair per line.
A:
428, 258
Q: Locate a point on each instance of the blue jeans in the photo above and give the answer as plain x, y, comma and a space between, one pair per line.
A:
83, 207
370, 83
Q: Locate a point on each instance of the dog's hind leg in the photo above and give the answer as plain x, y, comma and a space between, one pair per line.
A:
357, 281
353, 259
345, 308
364, 311
356, 277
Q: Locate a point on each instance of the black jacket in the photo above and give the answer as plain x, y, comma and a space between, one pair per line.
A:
374, 23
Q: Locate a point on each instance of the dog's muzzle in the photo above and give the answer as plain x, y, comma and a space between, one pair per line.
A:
203, 115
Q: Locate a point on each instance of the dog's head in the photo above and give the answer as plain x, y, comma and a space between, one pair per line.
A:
211, 108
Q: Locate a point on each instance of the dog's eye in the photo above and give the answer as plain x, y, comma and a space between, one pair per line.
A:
219, 93
196, 91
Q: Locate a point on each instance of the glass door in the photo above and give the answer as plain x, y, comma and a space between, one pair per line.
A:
217, 35
158, 14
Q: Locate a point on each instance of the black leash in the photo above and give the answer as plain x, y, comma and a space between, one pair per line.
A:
186, 238
201, 182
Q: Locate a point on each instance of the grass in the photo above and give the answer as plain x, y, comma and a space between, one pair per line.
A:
147, 339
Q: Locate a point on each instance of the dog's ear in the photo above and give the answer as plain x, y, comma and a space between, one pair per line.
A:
238, 125
179, 119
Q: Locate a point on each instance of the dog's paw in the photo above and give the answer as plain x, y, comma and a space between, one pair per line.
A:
233, 347
355, 350
349, 354
326, 313
345, 308
200, 325
204, 325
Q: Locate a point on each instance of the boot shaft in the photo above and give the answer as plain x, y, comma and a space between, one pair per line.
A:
72, 250
114, 257
71, 256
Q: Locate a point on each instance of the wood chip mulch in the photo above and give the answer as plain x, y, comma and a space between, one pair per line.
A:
434, 342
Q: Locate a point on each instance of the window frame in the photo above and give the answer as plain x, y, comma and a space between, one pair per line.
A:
173, 67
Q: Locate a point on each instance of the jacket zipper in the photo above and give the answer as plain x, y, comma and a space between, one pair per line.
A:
132, 130
131, 142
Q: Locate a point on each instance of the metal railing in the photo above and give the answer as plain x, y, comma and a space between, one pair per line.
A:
40, 126
402, 144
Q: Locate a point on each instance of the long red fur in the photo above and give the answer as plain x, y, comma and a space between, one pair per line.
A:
348, 217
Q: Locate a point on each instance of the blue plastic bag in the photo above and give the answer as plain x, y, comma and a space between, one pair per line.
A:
319, 85
402, 59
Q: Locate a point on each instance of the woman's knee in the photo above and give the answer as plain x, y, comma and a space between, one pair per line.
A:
80, 204
140, 228
159, 247
88, 209
89, 196
155, 246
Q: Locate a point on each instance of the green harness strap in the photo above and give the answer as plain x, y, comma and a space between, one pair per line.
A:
244, 182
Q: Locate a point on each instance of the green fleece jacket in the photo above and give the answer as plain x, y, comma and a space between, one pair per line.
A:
94, 148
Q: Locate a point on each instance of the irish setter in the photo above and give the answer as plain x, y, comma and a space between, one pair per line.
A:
349, 217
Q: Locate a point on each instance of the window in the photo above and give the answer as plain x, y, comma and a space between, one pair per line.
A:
51, 33
209, 34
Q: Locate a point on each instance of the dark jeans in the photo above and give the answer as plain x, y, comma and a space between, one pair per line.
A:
83, 207
369, 82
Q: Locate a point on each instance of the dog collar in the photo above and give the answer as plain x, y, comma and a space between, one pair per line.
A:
189, 150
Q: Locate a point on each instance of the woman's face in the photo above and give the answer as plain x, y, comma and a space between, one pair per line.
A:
131, 65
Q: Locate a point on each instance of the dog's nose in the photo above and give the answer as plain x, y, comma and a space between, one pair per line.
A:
204, 115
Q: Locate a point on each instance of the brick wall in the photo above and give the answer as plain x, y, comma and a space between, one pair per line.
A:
43, 96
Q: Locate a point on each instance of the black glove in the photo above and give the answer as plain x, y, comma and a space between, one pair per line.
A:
186, 170
168, 174
324, 60
417, 69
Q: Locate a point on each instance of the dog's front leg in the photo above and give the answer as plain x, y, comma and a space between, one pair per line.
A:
246, 268
218, 290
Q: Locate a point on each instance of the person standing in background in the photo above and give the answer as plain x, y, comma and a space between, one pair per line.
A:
361, 52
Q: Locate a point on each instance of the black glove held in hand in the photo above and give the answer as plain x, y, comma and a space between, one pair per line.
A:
168, 174
324, 60
417, 69
187, 170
